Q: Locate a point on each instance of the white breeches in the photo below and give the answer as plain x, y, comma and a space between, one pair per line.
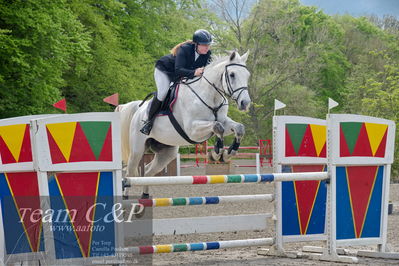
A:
163, 83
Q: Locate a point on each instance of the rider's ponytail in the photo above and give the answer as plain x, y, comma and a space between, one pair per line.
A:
176, 48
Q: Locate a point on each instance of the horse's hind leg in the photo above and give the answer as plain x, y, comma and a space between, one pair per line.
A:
134, 161
136, 153
161, 159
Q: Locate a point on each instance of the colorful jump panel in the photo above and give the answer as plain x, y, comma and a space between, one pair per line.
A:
359, 200
15, 145
300, 145
22, 216
78, 162
360, 160
85, 226
363, 139
305, 140
304, 203
80, 141
299, 140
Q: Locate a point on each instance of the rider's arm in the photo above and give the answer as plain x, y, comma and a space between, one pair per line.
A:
181, 64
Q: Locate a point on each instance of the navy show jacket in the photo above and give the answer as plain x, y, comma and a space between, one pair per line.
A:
183, 65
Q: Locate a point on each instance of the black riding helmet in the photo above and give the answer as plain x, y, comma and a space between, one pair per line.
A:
202, 37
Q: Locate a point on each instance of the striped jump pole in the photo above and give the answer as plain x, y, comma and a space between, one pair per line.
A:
199, 246
191, 201
222, 179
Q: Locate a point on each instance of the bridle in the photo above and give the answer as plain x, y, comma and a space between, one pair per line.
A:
229, 87
228, 83
222, 92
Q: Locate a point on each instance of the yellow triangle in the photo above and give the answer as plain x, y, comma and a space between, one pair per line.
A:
63, 134
319, 134
375, 132
13, 136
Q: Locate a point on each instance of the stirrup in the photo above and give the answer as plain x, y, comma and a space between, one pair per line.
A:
146, 129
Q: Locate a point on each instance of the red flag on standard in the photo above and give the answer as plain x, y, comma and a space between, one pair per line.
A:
61, 105
113, 99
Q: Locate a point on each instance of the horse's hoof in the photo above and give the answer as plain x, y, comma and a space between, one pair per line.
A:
226, 157
216, 156
125, 184
145, 196
210, 157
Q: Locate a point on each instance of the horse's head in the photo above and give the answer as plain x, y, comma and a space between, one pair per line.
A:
235, 80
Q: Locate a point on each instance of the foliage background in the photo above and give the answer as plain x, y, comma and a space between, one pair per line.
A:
85, 50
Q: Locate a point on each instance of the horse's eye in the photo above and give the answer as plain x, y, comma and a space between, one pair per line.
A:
231, 75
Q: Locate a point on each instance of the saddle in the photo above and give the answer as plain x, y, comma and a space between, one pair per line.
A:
170, 100
167, 109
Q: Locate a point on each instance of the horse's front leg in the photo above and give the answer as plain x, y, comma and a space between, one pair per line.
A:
238, 129
200, 129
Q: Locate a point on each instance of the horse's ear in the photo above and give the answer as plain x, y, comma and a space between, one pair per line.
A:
244, 57
232, 56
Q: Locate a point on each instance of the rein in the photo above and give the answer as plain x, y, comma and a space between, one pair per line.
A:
214, 110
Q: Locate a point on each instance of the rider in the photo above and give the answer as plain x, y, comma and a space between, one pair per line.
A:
187, 60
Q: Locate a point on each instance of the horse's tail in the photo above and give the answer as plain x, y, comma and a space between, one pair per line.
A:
127, 111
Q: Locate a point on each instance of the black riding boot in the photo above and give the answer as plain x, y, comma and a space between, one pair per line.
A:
155, 105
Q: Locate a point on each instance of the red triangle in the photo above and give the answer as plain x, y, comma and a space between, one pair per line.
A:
6, 155
323, 152
106, 151
61, 105
79, 191
360, 182
343, 146
381, 149
307, 147
26, 149
362, 146
81, 150
26, 194
113, 99
55, 152
306, 192
289, 147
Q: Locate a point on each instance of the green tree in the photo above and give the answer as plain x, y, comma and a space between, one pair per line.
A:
40, 41
86, 50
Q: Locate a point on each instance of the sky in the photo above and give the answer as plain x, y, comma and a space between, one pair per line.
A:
357, 7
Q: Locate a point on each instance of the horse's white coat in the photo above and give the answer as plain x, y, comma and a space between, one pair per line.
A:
194, 117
